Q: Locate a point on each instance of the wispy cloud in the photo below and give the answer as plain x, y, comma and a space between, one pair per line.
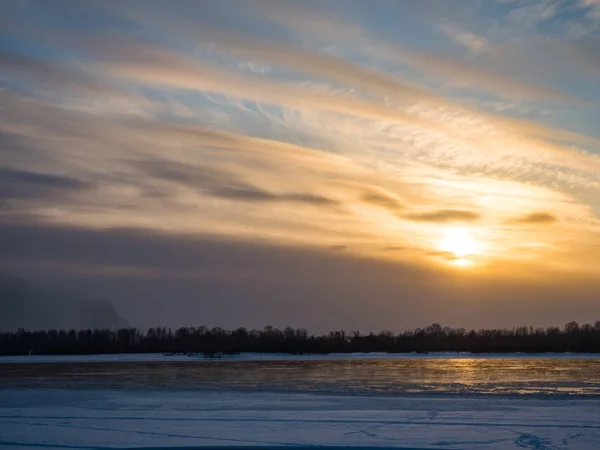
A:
444, 216
18, 187
317, 127
535, 218
383, 199
470, 41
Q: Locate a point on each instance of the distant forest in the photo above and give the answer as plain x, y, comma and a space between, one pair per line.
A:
215, 341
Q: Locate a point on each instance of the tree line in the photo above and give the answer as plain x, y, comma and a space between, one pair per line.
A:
210, 341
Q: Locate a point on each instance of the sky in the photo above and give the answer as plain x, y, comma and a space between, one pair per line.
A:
320, 164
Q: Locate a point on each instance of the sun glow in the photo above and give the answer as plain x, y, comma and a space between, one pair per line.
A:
459, 244
461, 262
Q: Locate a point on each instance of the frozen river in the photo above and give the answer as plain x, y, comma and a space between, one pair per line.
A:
337, 374
416, 403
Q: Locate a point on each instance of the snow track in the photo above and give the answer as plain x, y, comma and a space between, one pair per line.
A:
100, 419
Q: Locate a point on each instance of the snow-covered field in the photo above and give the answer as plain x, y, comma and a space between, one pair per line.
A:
157, 357
99, 418
433, 401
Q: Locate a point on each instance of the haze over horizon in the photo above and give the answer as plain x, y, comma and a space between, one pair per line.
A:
318, 164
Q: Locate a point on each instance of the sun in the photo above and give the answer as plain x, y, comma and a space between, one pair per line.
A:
460, 244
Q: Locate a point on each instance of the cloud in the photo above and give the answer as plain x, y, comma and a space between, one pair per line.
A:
22, 184
535, 218
476, 76
593, 7
331, 125
430, 112
311, 199
204, 278
447, 256
252, 194
127, 165
32, 308
154, 64
205, 163
382, 199
162, 67
57, 76
266, 179
444, 216
470, 41
222, 184
173, 279
460, 72
393, 248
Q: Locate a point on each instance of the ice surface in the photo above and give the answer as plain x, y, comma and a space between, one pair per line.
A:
151, 357
102, 418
